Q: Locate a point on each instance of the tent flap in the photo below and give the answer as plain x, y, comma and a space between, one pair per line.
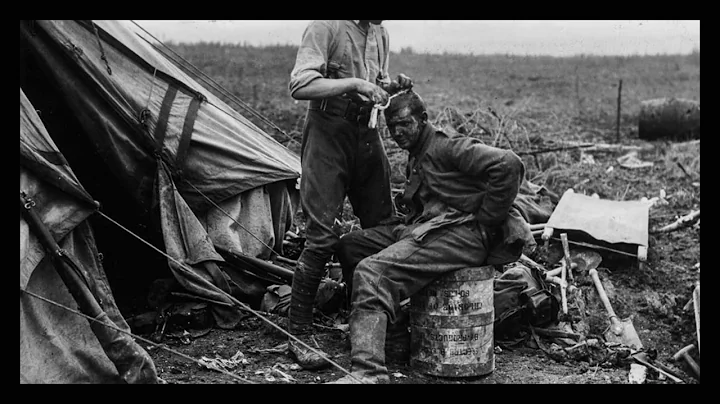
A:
147, 99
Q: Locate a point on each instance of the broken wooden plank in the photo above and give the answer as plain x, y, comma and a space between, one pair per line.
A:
618, 148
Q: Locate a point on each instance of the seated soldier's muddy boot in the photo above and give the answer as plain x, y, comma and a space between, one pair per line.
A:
397, 340
300, 315
367, 337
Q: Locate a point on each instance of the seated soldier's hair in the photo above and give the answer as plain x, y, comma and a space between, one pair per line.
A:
410, 99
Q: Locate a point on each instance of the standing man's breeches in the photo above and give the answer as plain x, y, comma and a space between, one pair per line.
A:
340, 158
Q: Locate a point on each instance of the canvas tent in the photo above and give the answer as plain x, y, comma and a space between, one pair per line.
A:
57, 345
134, 125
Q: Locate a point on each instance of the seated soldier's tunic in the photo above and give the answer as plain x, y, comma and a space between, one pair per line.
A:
460, 196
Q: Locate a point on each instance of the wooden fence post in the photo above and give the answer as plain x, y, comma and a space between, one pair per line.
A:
578, 102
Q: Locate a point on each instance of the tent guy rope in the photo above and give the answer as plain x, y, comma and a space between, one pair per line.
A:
147, 341
230, 297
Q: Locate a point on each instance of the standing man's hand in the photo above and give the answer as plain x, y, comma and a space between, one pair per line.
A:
375, 94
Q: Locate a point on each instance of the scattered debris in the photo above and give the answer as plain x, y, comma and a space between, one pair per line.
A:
587, 159
221, 364
285, 377
656, 200
632, 161
282, 348
638, 373
183, 337
291, 366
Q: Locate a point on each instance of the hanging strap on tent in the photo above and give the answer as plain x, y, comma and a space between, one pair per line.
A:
187, 130
102, 50
204, 78
164, 116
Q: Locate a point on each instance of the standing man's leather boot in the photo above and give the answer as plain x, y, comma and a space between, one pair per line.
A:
367, 339
300, 315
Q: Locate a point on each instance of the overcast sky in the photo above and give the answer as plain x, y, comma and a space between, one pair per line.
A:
521, 37
548, 37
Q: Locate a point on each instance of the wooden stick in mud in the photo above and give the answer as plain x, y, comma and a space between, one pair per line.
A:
563, 289
583, 244
556, 333
566, 252
554, 149
680, 223
603, 147
524, 259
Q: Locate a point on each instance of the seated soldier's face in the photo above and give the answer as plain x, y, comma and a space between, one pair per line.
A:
404, 127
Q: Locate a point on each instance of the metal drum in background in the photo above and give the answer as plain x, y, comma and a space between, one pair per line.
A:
451, 324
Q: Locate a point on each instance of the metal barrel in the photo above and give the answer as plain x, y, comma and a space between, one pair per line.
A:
451, 324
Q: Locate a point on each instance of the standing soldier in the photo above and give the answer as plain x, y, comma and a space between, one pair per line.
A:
342, 69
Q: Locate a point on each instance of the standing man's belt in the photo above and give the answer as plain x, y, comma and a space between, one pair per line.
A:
343, 108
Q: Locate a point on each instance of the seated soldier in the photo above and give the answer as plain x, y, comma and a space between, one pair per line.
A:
459, 194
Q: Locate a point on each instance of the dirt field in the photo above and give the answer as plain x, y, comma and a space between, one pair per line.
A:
522, 103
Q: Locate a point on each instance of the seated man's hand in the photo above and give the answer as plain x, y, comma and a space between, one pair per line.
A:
404, 81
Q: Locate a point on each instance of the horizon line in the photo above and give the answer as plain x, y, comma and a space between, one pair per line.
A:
410, 50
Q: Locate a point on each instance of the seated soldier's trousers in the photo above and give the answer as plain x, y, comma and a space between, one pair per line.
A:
384, 279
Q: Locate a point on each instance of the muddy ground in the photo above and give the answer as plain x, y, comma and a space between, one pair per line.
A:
654, 295
523, 103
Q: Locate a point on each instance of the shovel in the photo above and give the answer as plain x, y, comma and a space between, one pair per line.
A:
620, 331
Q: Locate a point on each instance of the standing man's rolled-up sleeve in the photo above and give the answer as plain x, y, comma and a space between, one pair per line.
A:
312, 56
384, 78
